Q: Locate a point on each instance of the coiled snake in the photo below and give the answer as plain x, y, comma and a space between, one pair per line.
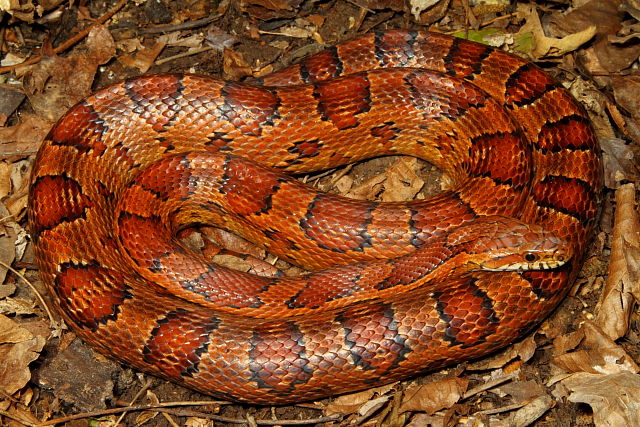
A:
402, 287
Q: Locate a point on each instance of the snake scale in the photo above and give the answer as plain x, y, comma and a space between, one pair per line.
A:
400, 288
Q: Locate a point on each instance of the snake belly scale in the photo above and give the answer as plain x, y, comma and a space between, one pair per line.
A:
399, 289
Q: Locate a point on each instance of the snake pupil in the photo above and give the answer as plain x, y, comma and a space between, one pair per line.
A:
530, 257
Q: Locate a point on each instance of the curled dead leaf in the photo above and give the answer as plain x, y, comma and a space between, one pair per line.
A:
590, 350
549, 47
352, 403
614, 398
18, 348
435, 396
622, 287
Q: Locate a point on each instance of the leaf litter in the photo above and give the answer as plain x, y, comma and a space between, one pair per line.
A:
584, 356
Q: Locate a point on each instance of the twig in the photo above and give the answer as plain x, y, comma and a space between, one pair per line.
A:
188, 25
222, 9
70, 42
489, 384
144, 388
168, 408
184, 54
16, 418
38, 295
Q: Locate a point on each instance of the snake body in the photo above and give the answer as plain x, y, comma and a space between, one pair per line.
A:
401, 287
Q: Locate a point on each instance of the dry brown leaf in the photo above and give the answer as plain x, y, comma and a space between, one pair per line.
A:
270, 9
16, 202
626, 90
273, 4
344, 184
5, 179
144, 58
18, 348
520, 391
10, 305
615, 398
421, 420
523, 349
24, 138
619, 161
419, 6
369, 189
56, 84
526, 415
430, 14
22, 10
549, 47
10, 98
403, 182
622, 287
6, 290
435, 396
231, 242
352, 403
234, 66
590, 350
603, 56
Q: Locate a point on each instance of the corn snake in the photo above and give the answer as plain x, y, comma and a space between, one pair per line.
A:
127, 167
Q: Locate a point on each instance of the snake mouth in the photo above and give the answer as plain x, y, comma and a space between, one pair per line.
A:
521, 265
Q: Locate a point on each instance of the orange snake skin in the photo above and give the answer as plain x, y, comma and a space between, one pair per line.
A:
401, 287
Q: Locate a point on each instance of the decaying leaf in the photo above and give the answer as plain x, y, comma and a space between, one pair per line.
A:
403, 182
54, 85
234, 65
18, 348
435, 396
614, 398
590, 350
143, 58
25, 137
622, 287
523, 350
549, 47
352, 403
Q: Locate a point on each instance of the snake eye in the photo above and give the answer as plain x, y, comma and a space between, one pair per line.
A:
530, 257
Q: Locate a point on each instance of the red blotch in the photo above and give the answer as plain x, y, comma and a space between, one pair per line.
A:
371, 333
342, 99
56, 199
465, 58
338, 225
81, 128
502, 157
277, 357
89, 294
322, 66
308, 148
248, 187
469, 314
146, 240
570, 133
178, 341
248, 107
571, 196
527, 84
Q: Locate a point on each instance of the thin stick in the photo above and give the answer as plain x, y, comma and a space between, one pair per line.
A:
183, 54
44, 304
168, 408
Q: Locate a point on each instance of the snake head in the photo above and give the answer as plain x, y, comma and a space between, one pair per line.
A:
496, 243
